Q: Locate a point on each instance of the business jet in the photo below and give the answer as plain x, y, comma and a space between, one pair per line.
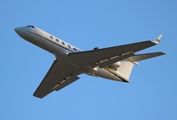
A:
114, 63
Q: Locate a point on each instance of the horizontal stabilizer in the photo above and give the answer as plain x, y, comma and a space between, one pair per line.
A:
140, 57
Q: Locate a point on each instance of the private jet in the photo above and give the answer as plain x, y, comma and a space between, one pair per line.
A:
114, 63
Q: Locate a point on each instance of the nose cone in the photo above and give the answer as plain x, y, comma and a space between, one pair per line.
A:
21, 31
18, 31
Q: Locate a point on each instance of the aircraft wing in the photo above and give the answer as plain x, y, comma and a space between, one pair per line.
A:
107, 56
59, 75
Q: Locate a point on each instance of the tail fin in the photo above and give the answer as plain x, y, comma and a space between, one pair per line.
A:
127, 65
125, 69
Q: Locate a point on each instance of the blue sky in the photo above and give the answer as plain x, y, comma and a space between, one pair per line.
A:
152, 92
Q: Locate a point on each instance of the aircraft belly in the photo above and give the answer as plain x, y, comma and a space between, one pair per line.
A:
106, 74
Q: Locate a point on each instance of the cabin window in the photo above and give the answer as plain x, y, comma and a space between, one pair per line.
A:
57, 40
69, 46
51, 37
63, 43
75, 49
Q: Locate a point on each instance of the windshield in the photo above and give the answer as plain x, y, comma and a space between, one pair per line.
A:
30, 26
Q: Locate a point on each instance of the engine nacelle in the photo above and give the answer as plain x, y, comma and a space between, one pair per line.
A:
95, 48
115, 65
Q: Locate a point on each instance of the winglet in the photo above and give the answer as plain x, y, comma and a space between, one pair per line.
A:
157, 40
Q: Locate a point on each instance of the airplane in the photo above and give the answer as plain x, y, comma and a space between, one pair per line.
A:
114, 63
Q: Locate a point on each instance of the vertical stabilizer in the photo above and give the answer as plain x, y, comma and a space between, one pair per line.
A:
126, 68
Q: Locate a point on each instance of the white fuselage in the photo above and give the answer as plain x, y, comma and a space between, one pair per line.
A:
60, 49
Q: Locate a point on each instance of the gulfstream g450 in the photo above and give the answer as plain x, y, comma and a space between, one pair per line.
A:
114, 63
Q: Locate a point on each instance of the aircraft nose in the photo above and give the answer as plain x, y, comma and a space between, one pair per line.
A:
18, 30
21, 32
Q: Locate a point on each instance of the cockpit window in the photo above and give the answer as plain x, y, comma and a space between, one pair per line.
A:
30, 26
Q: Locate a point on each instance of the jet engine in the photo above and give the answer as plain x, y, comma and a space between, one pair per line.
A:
115, 65
95, 48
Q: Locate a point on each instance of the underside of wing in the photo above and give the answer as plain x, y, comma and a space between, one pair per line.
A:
140, 57
59, 75
107, 56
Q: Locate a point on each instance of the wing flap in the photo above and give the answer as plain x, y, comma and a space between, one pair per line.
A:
58, 72
65, 82
111, 61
